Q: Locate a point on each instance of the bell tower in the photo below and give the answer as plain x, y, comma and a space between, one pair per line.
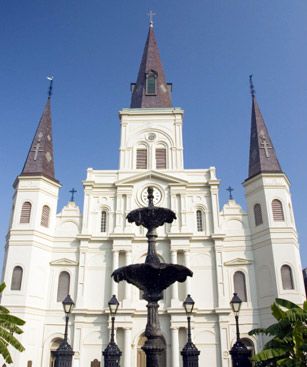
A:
30, 242
273, 232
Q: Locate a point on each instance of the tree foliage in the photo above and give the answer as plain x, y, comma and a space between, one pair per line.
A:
9, 325
288, 346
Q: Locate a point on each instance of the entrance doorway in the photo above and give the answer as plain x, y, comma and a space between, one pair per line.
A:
141, 356
53, 347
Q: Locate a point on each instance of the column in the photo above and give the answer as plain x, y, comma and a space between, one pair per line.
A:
127, 348
115, 266
128, 287
175, 347
175, 285
186, 256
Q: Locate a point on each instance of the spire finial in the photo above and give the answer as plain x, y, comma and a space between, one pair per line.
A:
251, 85
50, 78
151, 14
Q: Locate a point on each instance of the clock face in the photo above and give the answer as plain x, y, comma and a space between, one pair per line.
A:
156, 196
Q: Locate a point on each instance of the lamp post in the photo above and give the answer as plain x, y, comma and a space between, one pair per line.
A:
112, 353
63, 355
239, 352
189, 352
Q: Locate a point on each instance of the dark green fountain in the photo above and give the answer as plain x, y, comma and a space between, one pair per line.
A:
152, 277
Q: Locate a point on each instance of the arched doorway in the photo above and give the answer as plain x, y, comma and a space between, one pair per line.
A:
250, 346
53, 347
141, 357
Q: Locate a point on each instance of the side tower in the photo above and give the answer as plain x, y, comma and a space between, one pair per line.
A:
273, 232
30, 237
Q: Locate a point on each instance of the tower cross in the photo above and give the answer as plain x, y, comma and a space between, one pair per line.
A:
151, 14
230, 190
36, 149
265, 145
73, 191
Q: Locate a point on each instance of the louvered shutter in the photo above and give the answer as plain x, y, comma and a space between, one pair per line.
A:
45, 216
63, 286
141, 158
103, 223
278, 213
199, 220
25, 212
16, 278
286, 277
239, 285
258, 214
161, 158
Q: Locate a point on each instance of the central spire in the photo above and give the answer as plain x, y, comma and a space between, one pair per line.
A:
151, 89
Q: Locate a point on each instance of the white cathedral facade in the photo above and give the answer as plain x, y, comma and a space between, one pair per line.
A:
50, 254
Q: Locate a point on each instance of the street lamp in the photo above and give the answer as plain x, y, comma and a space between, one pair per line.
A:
112, 353
189, 353
63, 355
239, 352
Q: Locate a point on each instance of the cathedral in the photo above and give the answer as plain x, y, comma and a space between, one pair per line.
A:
51, 253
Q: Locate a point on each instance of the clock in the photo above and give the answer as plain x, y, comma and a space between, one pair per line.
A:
157, 196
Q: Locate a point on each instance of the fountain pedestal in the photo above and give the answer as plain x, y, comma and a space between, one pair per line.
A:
152, 277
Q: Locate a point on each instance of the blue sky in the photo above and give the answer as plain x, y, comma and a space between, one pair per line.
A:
208, 49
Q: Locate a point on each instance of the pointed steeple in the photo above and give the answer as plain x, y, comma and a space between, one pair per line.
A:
151, 89
262, 155
39, 161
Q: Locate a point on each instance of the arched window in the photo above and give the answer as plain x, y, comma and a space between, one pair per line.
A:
277, 210
45, 216
25, 212
258, 214
151, 83
103, 222
286, 277
63, 286
16, 278
160, 158
240, 285
141, 158
199, 221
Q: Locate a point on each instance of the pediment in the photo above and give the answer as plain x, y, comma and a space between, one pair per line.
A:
151, 175
64, 262
238, 261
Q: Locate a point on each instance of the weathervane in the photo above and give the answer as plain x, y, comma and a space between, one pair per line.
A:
230, 190
251, 85
50, 78
151, 14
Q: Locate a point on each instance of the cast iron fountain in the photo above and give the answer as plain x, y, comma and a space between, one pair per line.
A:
152, 277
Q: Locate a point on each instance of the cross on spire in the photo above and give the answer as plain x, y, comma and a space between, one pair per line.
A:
251, 85
151, 14
72, 191
36, 149
230, 190
50, 78
265, 145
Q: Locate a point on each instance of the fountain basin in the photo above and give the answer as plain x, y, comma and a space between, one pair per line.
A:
152, 279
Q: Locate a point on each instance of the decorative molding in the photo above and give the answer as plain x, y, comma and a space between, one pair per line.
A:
150, 176
238, 261
65, 262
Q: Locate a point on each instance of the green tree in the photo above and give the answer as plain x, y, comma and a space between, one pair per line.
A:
9, 325
288, 346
